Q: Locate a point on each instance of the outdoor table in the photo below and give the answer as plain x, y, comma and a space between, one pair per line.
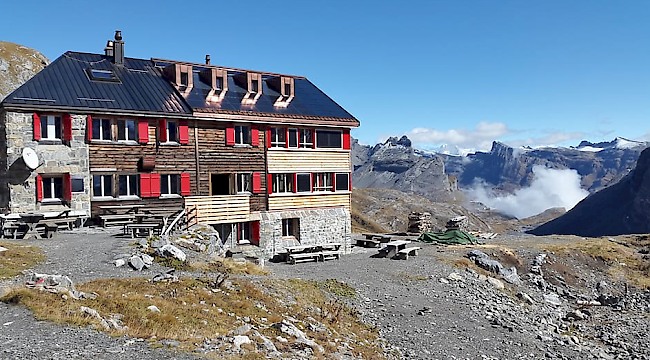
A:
129, 208
31, 220
392, 247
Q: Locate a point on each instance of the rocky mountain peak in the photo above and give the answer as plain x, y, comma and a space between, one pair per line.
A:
18, 64
394, 141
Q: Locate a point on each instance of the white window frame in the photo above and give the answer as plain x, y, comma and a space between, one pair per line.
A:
244, 233
317, 146
275, 137
320, 182
290, 227
169, 138
102, 178
242, 179
310, 182
123, 122
347, 181
284, 180
130, 193
170, 192
288, 136
102, 136
52, 187
50, 127
239, 131
303, 139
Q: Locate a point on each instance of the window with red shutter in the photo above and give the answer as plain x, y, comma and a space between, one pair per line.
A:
89, 128
39, 187
346, 139
162, 130
185, 184
268, 138
143, 131
183, 132
269, 183
145, 185
255, 136
230, 136
67, 187
155, 185
67, 127
37, 127
257, 183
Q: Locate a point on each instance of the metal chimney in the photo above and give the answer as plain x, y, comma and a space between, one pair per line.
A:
108, 50
118, 47
207, 59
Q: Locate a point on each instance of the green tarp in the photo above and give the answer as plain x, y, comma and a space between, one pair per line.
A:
451, 237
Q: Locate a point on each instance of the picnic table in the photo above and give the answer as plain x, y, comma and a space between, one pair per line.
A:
313, 252
112, 209
391, 248
31, 220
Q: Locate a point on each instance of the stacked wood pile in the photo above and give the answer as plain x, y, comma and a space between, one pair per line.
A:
458, 223
419, 222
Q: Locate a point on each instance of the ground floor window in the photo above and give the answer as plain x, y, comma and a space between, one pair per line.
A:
243, 233
170, 184
127, 185
102, 186
52, 188
290, 227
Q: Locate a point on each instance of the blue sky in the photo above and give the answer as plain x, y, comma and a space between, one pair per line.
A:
463, 72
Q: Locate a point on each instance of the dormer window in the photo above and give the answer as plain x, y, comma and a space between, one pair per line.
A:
180, 75
102, 75
184, 79
253, 86
217, 79
218, 83
254, 89
285, 86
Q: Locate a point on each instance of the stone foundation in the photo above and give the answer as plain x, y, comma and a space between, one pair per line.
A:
18, 190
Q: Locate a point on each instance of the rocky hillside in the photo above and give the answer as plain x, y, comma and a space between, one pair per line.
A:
17, 65
507, 168
396, 165
623, 208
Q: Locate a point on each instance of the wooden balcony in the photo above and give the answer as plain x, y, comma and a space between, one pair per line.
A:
217, 209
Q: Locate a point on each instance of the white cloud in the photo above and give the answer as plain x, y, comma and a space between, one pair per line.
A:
549, 188
551, 138
480, 137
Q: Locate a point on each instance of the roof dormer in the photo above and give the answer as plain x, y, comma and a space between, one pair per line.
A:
181, 76
217, 79
252, 82
285, 86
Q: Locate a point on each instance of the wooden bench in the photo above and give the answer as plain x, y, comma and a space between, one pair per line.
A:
302, 257
137, 230
109, 220
368, 243
10, 230
410, 251
330, 255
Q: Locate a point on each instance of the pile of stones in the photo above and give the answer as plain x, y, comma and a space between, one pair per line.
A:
419, 222
458, 223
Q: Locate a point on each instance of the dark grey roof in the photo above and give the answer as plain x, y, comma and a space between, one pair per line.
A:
65, 83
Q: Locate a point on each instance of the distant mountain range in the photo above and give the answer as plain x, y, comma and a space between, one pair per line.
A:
395, 164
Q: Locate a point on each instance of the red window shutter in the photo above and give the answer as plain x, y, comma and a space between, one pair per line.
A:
89, 128
145, 185
255, 136
257, 183
268, 138
230, 135
346, 139
67, 127
269, 183
334, 182
162, 130
39, 187
255, 232
155, 185
37, 127
185, 184
295, 183
143, 131
286, 137
350, 180
183, 132
67, 187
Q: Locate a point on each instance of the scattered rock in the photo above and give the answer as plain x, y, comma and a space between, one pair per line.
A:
136, 263
498, 284
169, 250
119, 262
153, 308
240, 340
552, 299
455, 277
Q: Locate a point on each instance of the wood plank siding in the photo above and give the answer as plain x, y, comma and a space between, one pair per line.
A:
308, 161
218, 209
215, 157
309, 201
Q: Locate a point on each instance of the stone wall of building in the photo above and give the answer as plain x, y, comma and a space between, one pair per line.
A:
53, 158
316, 226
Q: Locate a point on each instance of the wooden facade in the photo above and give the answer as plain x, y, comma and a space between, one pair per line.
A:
284, 202
297, 161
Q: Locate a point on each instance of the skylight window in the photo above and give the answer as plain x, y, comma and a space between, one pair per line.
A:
102, 75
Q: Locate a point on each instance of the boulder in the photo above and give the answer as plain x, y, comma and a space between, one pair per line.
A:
169, 250
136, 262
240, 340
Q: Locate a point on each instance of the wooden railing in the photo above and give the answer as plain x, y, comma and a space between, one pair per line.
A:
218, 209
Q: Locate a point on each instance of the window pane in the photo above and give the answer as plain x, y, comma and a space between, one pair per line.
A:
175, 189
108, 185
164, 185
173, 134
130, 125
106, 129
44, 127
58, 187
328, 139
293, 138
47, 188
304, 183
96, 127
342, 182
121, 131
133, 184
122, 183
77, 185
97, 185
57, 128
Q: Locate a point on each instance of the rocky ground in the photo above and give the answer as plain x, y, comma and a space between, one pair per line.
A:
437, 305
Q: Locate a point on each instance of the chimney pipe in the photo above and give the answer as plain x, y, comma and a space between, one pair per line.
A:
108, 50
118, 48
207, 59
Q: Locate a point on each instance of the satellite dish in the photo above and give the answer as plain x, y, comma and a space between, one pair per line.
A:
30, 158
